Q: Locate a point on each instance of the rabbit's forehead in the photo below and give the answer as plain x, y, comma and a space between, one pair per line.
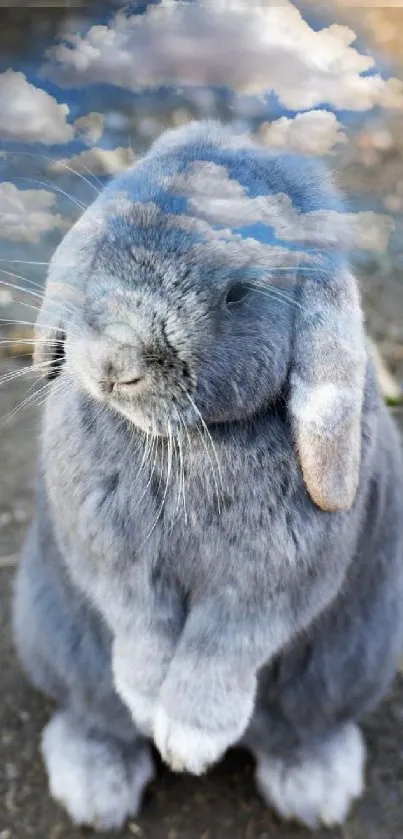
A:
215, 208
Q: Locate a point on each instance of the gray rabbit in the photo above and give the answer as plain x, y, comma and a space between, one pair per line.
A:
217, 552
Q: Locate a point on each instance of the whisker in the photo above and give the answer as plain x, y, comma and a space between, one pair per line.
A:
54, 188
38, 379
169, 468
152, 451
93, 175
25, 403
40, 286
181, 469
176, 451
19, 287
80, 175
183, 425
18, 358
27, 305
30, 262
295, 268
57, 387
61, 307
51, 160
274, 293
155, 452
38, 339
146, 452
24, 371
31, 341
205, 426
12, 321
217, 488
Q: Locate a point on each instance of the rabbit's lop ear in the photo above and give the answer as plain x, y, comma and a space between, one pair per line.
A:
327, 387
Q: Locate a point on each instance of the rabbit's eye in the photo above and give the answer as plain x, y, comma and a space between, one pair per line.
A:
236, 293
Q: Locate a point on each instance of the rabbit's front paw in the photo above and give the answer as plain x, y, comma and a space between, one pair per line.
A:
137, 685
187, 748
193, 737
204, 708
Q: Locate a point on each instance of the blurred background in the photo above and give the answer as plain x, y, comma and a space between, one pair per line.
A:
84, 90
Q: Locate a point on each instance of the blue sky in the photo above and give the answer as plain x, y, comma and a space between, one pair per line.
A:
134, 75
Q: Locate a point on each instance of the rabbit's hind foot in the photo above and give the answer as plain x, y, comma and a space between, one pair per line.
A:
98, 780
318, 784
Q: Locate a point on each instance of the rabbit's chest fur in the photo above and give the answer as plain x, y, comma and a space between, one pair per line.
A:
200, 515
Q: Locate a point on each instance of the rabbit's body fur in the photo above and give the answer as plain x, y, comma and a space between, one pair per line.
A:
200, 596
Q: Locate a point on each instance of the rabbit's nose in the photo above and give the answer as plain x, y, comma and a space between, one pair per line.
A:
115, 384
114, 380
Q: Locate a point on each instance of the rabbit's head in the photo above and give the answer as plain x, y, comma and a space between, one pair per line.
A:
205, 284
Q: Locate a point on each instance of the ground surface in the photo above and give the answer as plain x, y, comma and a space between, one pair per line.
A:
222, 806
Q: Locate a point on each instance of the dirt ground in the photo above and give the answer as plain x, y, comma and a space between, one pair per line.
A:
224, 805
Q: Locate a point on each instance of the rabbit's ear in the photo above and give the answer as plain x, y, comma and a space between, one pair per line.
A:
327, 387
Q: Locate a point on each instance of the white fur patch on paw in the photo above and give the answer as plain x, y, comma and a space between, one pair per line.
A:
188, 749
321, 785
91, 778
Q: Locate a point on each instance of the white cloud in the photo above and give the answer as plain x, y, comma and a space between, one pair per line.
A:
30, 114
219, 208
27, 214
312, 132
224, 245
96, 161
267, 47
89, 128
220, 200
